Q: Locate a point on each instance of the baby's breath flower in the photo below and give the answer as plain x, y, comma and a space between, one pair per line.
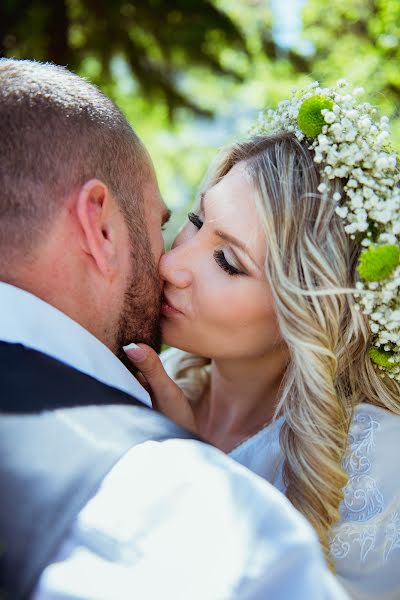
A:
348, 142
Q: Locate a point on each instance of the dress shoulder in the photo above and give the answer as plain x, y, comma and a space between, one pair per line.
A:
366, 541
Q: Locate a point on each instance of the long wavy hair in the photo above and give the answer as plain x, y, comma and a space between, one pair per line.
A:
311, 268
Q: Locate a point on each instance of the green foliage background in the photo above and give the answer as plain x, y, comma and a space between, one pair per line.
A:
191, 75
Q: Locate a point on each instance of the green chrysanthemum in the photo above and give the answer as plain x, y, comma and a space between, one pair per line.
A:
378, 262
310, 120
381, 358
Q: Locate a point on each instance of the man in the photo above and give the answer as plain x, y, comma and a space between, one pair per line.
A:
102, 497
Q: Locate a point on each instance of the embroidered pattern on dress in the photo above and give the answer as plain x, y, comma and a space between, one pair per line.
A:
347, 535
392, 534
381, 537
362, 498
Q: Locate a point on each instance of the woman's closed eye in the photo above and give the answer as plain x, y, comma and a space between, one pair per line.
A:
219, 255
223, 263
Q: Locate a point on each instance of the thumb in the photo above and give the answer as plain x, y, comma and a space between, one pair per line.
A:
168, 396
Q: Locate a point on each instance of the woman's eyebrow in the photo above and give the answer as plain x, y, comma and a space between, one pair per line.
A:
229, 238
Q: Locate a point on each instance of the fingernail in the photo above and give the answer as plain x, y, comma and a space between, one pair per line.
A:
135, 352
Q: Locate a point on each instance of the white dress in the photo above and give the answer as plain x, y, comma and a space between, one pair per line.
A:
365, 543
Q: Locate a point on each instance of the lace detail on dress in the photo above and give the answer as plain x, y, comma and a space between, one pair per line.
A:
362, 499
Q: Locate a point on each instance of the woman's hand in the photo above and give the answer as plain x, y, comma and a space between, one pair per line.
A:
167, 397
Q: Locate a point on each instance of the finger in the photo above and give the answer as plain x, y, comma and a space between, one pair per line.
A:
143, 381
167, 394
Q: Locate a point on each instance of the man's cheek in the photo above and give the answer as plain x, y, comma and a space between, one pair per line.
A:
160, 248
156, 243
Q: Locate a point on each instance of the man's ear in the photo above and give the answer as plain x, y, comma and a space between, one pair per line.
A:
95, 211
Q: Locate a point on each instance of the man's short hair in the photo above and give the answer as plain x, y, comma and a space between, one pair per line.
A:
56, 132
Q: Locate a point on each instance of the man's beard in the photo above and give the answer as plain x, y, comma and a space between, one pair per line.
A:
140, 315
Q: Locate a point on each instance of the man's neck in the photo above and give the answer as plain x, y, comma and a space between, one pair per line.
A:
69, 299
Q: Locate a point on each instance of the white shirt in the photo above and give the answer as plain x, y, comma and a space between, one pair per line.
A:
176, 519
365, 543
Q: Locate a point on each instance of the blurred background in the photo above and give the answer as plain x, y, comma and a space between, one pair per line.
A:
192, 75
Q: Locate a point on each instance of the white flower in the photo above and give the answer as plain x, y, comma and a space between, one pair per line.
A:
364, 123
350, 228
357, 202
383, 216
382, 163
382, 137
352, 114
323, 141
340, 171
342, 211
330, 117
337, 130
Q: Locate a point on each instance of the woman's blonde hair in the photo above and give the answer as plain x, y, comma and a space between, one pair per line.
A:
311, 267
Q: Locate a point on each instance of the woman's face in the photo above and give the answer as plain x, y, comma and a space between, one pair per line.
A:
217, 300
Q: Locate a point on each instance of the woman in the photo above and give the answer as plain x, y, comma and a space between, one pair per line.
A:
282, 365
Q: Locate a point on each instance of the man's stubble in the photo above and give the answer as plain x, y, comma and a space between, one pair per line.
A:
140, 319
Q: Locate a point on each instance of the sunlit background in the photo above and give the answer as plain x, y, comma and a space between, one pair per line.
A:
192, 75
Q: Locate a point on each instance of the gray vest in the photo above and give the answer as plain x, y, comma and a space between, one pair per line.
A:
60, 433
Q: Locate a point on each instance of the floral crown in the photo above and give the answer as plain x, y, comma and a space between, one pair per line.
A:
351, 144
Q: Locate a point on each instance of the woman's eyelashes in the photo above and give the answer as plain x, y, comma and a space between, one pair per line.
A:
219, 255
223, 263
195, 219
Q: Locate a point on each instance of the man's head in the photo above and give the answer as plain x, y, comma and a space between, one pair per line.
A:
80, 210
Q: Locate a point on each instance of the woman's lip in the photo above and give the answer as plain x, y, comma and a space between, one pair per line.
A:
167, 308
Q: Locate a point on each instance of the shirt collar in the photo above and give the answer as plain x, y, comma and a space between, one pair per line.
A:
28, 320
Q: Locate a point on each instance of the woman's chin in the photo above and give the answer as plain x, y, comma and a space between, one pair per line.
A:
169, 336
174, 343
174, 339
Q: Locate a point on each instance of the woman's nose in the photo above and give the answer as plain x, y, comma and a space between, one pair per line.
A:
173, 269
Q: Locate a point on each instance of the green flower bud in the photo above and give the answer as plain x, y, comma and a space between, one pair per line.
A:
378, 262
381, 358
310, 120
